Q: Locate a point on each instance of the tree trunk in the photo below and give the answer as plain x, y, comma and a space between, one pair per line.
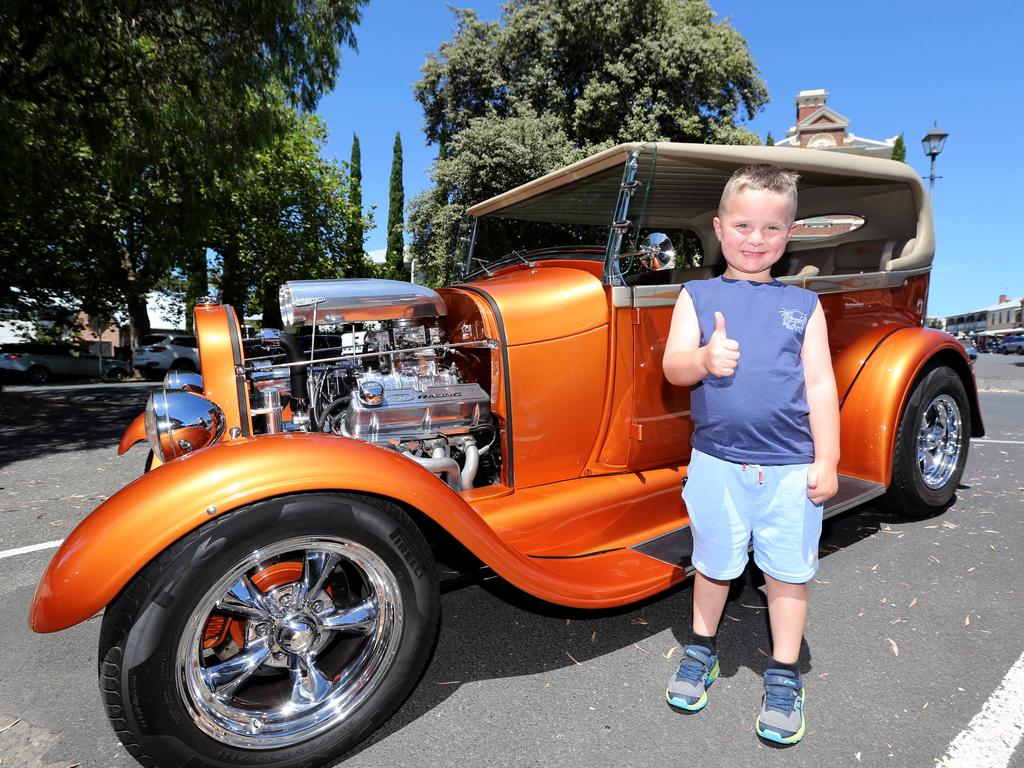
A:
271, 308
139, 316
197, 284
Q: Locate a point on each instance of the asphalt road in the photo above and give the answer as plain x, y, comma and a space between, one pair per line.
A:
913, 627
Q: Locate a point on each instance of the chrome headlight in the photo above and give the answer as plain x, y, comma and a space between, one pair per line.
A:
181, 422
184, 380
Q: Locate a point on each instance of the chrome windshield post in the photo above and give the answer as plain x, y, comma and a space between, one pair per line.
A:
621, 222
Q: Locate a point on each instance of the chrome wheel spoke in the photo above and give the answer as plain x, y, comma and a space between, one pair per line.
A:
316, 570
309, 685
225, 678
360, 618
246, 600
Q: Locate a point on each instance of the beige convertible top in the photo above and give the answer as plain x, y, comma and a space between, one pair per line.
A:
688, 181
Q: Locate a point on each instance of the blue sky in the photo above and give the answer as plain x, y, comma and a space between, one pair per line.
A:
888, 67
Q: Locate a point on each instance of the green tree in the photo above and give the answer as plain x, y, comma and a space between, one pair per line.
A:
542, 88
395, 261
770, 140
899, 149
356, 264
286, 216
117, 119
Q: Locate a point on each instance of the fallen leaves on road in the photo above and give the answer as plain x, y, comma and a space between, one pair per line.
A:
642, 650
895, 648
10, 725
671, 650
857, 755
731, 618
913, 602
573, 659
967, 620
593, 637
639, 620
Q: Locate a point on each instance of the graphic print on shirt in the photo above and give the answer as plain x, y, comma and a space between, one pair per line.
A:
793, 319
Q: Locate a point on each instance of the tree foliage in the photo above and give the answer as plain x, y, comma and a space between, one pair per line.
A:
117, 120
356, 261
395, 261
555, 79
286, 216
899, 149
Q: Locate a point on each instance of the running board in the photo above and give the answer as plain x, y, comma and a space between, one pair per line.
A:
676, 547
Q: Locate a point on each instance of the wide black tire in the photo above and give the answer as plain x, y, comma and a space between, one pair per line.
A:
935, 423
155, 701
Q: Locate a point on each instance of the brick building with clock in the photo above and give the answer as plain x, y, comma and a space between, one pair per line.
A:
818, 126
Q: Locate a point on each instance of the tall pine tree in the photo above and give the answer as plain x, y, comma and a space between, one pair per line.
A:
899, 149
395, 265
355, 233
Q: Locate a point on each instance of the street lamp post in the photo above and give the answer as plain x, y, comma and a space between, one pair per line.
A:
933, 142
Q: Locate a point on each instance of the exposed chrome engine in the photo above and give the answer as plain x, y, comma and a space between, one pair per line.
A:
377, 367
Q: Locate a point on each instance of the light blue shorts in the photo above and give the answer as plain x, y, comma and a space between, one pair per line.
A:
728, 503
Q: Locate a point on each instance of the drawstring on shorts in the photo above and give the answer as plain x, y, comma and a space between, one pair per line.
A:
760, 472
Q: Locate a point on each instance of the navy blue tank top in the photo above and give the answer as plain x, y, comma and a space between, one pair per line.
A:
758, 415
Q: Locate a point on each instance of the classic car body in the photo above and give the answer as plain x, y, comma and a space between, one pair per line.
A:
269, 586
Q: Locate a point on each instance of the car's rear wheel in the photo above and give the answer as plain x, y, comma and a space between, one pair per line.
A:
279, 635
931, 445
37, 374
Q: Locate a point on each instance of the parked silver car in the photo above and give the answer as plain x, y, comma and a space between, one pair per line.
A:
1011, 345
38, 363
162, 352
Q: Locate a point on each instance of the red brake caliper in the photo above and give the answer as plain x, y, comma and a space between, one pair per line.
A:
220, 626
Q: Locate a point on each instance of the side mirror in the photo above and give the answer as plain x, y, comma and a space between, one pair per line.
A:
657, 252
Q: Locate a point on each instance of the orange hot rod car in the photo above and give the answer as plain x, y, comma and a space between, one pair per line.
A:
268, 586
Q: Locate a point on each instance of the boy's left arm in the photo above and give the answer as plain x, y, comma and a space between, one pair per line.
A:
823, 403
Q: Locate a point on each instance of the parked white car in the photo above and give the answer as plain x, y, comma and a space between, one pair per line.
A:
162, 352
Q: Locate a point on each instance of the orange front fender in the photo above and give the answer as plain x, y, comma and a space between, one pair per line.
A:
135, 433
132, 527
871, 411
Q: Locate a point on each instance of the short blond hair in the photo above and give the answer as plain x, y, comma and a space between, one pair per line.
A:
762, 178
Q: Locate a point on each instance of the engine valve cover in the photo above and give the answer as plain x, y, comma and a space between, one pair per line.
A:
412, 414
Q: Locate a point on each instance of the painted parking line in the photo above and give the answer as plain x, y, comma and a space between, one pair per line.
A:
993, 734
1000, 442
30, 548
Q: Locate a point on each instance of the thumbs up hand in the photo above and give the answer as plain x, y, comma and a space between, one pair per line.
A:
722, 354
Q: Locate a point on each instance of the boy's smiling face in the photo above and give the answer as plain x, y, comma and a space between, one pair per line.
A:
754, 228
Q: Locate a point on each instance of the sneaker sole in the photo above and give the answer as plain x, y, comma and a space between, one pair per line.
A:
702, 702
769, 735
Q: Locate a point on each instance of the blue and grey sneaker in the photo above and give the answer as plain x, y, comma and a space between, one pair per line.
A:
697, 671
782, 709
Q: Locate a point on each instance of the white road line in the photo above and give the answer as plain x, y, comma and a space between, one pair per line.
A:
1001, 442
993, 734
30, 548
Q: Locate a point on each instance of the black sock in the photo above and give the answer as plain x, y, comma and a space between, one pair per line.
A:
794, 667
707, 642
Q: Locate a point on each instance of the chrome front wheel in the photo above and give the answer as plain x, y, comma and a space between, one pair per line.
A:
280, 634
291, 641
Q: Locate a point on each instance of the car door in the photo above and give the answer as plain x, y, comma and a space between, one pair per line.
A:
661, 425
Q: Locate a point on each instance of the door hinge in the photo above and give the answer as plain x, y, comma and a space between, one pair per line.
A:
636, 431
636, 315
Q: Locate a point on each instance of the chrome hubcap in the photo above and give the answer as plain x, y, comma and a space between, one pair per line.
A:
290, 642
938, 441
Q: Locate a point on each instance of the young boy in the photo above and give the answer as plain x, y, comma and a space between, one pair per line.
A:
765, 440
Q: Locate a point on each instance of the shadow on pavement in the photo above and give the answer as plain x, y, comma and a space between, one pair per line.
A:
63, 419
509, 633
